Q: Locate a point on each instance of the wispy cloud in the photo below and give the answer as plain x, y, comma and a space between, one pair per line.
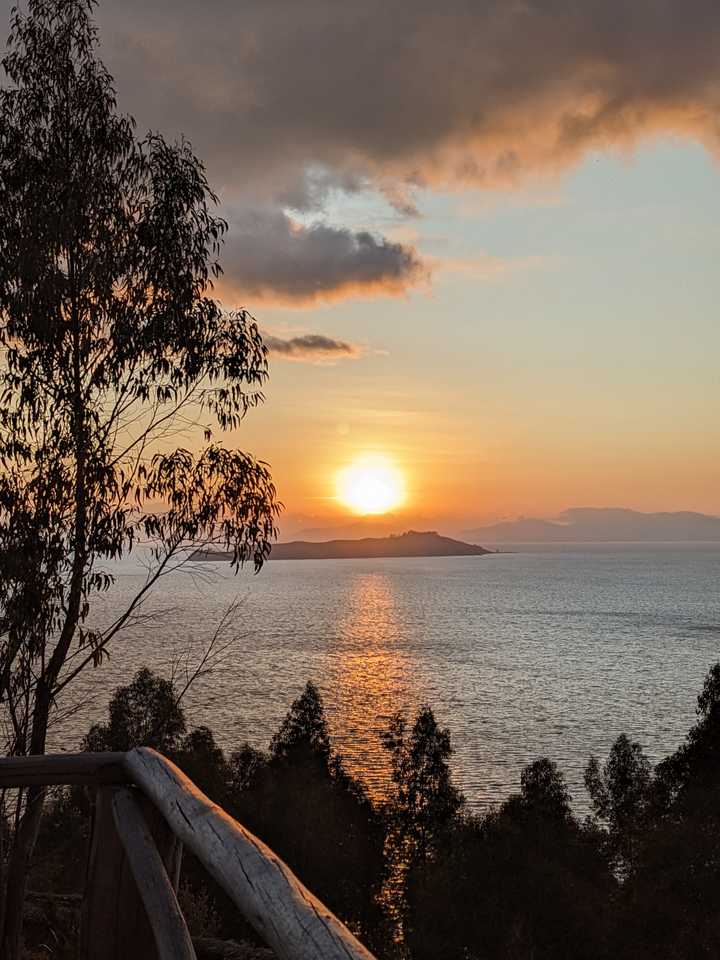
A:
311, 346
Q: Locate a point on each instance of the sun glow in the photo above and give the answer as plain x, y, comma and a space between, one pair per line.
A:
371, 484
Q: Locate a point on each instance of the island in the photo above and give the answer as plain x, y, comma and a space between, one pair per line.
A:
410, 544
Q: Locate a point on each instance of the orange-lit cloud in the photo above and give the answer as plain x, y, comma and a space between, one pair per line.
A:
479, 90
291, 101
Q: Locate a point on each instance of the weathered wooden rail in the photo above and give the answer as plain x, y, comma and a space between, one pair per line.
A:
146, 809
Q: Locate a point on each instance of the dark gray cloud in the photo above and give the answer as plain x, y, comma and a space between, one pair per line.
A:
413, 90
287, 100
270, 256
310, 346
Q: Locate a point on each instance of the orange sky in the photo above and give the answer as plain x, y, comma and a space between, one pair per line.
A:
500, 272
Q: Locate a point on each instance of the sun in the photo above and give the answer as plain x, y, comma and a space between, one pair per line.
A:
370, 485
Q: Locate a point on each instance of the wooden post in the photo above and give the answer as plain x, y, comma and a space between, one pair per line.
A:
114, 921
141, 859
293, 922
170, 932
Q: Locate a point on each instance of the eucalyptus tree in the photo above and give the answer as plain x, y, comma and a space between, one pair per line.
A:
424, 801
621, 792
113, 351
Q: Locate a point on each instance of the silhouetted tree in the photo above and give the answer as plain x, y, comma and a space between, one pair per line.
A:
108, 248
199, 756
424, 799
688, 779
244, 766
63, 843
143, 713
675, 895
304, 728
421, 807
543, 791
302, 802
147, 713
524, 881
620, 793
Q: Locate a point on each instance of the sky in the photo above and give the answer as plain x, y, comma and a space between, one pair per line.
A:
480, 238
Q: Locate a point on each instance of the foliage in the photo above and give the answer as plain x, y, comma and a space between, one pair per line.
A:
676, 891
304, 727
63, 844
424, 799
112, 347
306, 806
108, 247
543, 792
524, 881
245, 765
199, 756
687, 779
143, 713
298, 798
620, 794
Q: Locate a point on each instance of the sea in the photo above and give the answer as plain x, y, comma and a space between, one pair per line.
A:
539, 652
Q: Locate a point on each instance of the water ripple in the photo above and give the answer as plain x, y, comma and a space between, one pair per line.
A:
521, 655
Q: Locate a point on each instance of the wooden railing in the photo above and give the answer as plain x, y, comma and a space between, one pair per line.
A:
146, 809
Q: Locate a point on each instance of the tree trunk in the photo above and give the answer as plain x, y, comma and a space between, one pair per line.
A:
3, 861
17, 874
25, 837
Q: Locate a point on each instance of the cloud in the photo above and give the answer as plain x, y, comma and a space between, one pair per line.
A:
271, 257
310, 346
288, 102
409, 92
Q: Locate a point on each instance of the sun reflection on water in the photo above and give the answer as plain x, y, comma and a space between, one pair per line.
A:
373, 675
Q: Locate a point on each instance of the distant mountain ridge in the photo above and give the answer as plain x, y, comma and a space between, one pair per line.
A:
604, 525
410, 544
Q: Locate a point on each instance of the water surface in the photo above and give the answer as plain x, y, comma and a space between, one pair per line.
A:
545, 652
